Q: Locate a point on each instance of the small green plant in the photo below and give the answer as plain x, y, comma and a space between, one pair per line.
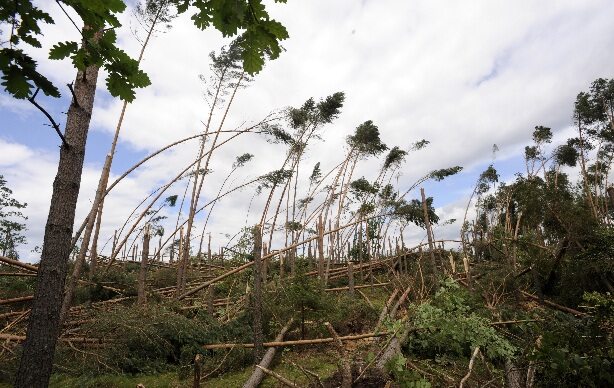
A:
446, 324
406, 378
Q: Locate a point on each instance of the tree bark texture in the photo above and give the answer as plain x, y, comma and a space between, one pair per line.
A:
44, 323
257, 296
142, 296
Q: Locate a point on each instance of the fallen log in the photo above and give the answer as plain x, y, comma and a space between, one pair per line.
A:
17, 300
12, 314
277, 376
298, 342
256, 378
553, 305
17, 263
357, 287
21, 338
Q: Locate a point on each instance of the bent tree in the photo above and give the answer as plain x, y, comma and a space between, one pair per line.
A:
97, 48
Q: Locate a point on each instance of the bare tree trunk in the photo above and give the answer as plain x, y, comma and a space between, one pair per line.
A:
44, 322
94, 250
72, 281
429, 232
513, 375
320, 249
351, 279
180, 253
257, 295
210, 299
142, 297
197, 360
256, 378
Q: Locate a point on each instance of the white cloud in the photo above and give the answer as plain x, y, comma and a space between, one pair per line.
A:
462, 75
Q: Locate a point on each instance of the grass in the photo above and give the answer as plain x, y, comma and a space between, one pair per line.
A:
318, 360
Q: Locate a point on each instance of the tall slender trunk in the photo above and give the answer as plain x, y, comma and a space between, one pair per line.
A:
100, 193
142, 296
257, 296
44, 323
429, 233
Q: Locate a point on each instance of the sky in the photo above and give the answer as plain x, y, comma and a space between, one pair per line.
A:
463, 75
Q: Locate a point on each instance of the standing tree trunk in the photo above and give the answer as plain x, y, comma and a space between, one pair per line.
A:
321, 250
257, 296
429, 232
142, 297
44, 323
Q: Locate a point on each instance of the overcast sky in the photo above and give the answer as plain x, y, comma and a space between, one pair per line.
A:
463, 75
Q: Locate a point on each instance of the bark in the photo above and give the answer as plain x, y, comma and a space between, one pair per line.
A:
72, 281
44, 323
197, 361
17, 263
94, 250
142, 297
351, 279
256, 378
180, 252
429, 232
610, 191
257, 295
320, 249
513, 375
552, 275
280, 343
471, 361
277, 376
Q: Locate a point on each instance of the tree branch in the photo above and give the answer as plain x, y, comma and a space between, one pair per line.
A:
53, 123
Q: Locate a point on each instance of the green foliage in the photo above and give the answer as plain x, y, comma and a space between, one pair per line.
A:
406, 378
14, 286
443, 173
362, 189
413, 212
316, 174
311, 114
447, 325
242, 159
574, 352
487, 177
152, 339
395, 157
11, 227
274, 178
259, 39
366, 140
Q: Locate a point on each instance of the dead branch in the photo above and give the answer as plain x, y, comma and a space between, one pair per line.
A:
553, 305
298, 342
17, 263
471, 361
310, 375
279, 377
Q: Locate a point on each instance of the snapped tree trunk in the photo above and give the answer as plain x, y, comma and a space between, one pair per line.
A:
257, 296
256, 378
44, 322
142, 297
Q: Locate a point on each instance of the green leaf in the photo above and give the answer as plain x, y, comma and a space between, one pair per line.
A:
118, 87
16, 83
62, 50
253, 61
276, 28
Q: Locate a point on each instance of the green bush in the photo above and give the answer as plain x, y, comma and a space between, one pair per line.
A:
447, 325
